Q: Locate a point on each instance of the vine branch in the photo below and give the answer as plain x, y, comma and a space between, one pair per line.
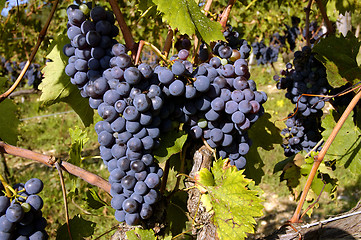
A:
128, 37
330, 29
64, 198
41, 36
319, 158
307, 12
49, 161
226, 13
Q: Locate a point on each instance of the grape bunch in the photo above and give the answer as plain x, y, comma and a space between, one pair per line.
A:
129, 101
307, 76
265, 54
216, 101
21, 215
13, 69
301, 133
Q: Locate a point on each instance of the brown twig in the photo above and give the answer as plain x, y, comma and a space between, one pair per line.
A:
49, 161
226, 13
64, 198
321, 155
307, 12
168, 42
128, 37
315, 202
207, 6
321, 7
33, 53
139, 52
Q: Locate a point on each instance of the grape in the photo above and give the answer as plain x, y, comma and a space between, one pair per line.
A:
178, 68
152, 180
34, 186
117, 174
118, 49
6, 225
151, 197
35, 202
134, 144
132, 219
14, 213
132, 75
142, 102
177, 88
128, 182
202, 84
140, 188
166, 76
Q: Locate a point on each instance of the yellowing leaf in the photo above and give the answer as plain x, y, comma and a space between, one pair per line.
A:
234, 205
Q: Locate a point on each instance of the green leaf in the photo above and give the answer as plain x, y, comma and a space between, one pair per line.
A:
56, 86
141, 234
347, 6
345, 148
170, 144
174, 168
177, 221
234, 205
325, 178
93, 200
338, 54
9, 122
79, 228
188, 18
78, 139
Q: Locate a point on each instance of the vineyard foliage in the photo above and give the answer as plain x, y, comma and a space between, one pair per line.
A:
233, 198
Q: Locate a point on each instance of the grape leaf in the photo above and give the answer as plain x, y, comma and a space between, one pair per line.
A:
93, 200
347, 6
56, 86
8, 122
345, 148
233, 204
141, 234
79, 228
177, 221
188, 18
170, 144
78, 139
338, 54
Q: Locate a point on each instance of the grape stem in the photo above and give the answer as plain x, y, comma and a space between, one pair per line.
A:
321, 7
128, 37
140, 49
207, 6
307, 22
49, 161
318, 158
64, 198
158, 52
6, 186
226, 13
41, 37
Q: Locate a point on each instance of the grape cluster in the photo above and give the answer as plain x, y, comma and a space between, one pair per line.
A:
301, 133
265, 54
13, 69
307, 76
20, 214
216, 101
129, 101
